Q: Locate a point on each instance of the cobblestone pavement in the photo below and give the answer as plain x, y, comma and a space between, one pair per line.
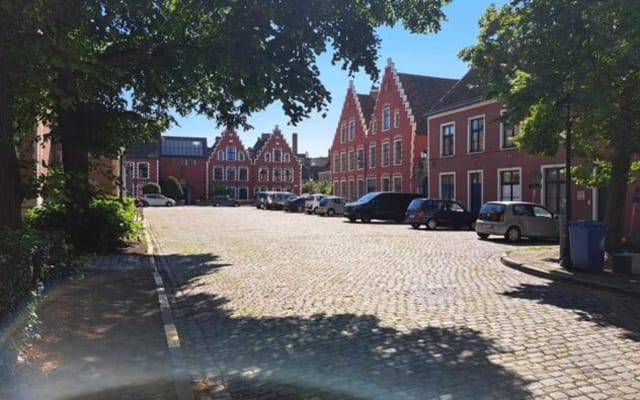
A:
294, 306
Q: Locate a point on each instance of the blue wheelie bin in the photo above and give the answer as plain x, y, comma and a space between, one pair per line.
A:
586, 239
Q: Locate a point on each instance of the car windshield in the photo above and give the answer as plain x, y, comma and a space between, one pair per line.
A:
491, 212
366, 197
415, 204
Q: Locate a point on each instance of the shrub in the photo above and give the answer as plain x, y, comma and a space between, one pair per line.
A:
151, 188
104, 227
28, 259
172, 188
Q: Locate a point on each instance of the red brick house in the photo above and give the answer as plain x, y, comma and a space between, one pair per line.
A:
473, 159
275, 163
141, 166
186, 159
378, 146
229, 167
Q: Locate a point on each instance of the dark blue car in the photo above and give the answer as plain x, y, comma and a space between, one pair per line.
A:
294, 204
434, 213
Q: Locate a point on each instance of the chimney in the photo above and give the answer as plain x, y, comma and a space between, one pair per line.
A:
374, 91
294, 144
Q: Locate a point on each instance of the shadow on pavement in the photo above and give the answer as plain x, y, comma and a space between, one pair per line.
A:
340, 356
597, 307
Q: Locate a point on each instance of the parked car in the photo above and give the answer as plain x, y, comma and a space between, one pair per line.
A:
275, 200
515, 220
157, 199
295, 203
434, 213
261, 200
312, 203
331, 205
223, 200
388, 206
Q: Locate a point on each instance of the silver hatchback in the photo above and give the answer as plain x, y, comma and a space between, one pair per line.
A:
515, 220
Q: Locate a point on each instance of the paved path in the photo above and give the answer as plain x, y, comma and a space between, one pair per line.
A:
294, 306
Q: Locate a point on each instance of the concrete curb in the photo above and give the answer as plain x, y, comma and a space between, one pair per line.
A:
567, 277
181, 378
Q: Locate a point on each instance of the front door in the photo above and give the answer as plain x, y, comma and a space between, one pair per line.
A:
475, 192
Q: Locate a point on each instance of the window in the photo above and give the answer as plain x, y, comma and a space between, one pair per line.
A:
243, 174
218, 173
352, 130
336, 162
286, 158
352, 189
231, 174
220, 155
277, 155
243, 193
360, 158
386, 118
509, 181
336, 188
397, 183
371, 185
343, 132
385, 184
352, 160
448, 132
476, 135
231, 153
385, 154
263, 174
241, 156
372, 155
396, 118
343, 161
343, 188
288, 174
374, 127
267, 157
447, 186
277, 174
143, 170
397, 152
508, 134
555, 189
360, 188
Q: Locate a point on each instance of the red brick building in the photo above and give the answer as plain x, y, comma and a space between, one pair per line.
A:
186, 159
141, 166
229, 167
473, 159
275, 163
380, 137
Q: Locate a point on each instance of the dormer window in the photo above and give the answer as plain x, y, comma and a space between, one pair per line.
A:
267, 157
231, 153
277, 155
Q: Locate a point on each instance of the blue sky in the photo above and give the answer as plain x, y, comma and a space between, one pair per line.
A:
433, 54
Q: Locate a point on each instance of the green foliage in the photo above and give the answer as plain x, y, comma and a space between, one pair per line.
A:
105, 227
172, 188
151, 188
323, 187
29, 259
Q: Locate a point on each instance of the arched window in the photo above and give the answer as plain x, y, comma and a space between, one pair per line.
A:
231, 153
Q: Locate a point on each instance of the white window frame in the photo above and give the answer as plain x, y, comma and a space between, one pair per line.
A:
138, 170
393, 182
382, 179
484, 134
372, 160
352, 130
396, 118
481, 171
453, 148
240, 155
213, 173
343, 161
343, 132
542, 179
499, 183
374, 126
247, 174
360, 166
395, 161
273, 154
382, 161
336, 188
267, 157
516, 130
386, 118
246, 188
266, 175
286, 157
455, 189
226, 174
273, 174
351, 159
336, 162
220, 155
234, 151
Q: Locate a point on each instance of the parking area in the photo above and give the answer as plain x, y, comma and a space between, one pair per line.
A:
301, 306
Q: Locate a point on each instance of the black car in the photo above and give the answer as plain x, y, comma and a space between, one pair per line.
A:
387, 206
434, 213
295, 203
224, 200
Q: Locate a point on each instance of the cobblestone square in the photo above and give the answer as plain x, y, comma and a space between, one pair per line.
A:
282, 305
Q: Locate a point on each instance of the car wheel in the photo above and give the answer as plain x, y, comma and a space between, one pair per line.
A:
261, 206
365, 218
415, 226
352, 219
330, 212
483, 236
168, 204
513, 234
315, 210
432, 224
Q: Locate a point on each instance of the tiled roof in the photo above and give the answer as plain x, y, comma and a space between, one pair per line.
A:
367, 103
466, 91
174, 146
143, 150
423, 93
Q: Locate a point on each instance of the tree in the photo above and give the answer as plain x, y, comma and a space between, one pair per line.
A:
535, 56
114, 69
172, 188
151, 188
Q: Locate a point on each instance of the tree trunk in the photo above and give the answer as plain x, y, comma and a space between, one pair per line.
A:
75, 160
10, 191
617, 200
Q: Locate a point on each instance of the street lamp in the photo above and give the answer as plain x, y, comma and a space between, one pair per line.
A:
424, 156
566, 248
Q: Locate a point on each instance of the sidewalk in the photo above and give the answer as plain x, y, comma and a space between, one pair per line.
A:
99, 337
543, 261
